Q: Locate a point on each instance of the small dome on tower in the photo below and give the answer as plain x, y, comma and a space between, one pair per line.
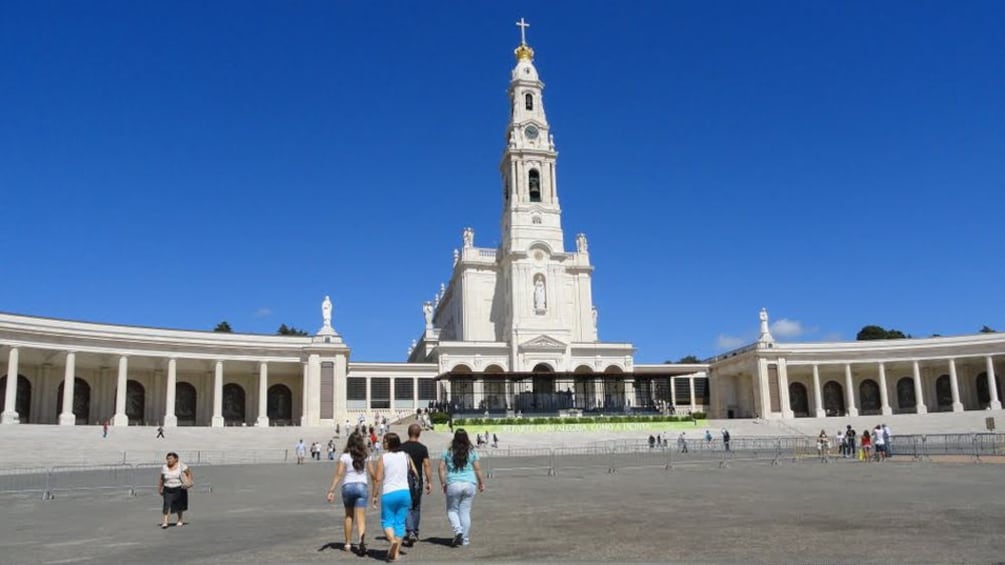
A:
524, 70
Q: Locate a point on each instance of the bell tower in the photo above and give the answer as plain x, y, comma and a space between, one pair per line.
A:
530, 198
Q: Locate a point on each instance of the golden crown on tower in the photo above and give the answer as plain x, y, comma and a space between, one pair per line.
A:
524, 52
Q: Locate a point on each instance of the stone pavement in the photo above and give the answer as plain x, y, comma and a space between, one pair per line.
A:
805, 512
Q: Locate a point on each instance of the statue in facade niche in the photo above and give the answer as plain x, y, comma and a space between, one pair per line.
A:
427, 311
469, 237
326, 312
540, 302
581, 244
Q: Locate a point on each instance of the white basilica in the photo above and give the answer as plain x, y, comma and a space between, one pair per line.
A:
514, 331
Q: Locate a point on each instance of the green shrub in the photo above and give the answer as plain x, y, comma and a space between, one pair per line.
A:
439, 417
699, 415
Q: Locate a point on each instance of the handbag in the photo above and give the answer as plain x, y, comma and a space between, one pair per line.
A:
186, 480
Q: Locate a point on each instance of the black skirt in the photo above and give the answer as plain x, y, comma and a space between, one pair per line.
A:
175, 500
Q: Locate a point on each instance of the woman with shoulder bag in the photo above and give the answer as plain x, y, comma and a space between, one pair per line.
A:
173, 484
391, 480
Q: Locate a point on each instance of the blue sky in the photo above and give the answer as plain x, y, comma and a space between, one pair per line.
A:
178, 164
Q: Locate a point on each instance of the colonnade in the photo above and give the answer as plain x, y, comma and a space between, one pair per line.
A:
824, 404
169, 418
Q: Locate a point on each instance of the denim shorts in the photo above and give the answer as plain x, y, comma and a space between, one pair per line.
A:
354, 495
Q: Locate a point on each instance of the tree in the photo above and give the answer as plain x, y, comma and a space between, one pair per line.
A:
689, 359
289, 330
223, 327
871, 332
878, 332
987, 330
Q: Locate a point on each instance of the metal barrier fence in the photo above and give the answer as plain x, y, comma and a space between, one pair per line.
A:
48, 483
605, 456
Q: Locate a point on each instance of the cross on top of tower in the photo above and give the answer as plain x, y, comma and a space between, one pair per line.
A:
523, 25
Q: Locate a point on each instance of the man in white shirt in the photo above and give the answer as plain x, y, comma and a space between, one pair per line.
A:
877, 432
842, 445
301, 449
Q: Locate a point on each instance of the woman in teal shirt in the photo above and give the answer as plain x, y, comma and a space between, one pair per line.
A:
460, 473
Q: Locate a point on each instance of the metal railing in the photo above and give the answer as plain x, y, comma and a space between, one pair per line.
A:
48, 483
138, 470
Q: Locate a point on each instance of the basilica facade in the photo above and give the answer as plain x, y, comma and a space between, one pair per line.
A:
515, 331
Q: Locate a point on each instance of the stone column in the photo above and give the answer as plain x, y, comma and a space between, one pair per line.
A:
477, 391
170, 420
630, 393
783, 389
10, 415
598, 392
996, 403
764, 389
849, 392
818, 397
304, 387
415, 393
312, 391
263, 395
884, 394
920, 407
340, 408
217, 419
954, 386
690, 390
120, 418
66, 417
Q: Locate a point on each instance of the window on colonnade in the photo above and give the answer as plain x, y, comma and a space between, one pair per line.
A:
81, 401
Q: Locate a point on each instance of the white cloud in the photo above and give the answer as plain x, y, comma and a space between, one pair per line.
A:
730, 342
263, 312
783, 327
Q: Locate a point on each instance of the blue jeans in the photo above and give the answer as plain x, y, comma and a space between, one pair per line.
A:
459, 499
412, 520
394, 507
354, 495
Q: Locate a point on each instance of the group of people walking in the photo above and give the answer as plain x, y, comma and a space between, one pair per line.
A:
397, 479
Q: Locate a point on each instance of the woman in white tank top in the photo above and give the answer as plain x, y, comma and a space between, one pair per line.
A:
396, 498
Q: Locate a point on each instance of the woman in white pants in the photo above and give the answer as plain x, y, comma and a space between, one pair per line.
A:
460, 475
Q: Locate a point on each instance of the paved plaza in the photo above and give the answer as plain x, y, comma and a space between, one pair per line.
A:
696, 512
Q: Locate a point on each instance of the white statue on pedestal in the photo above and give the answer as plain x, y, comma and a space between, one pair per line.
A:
468, 237
581, 245
427, 312
540, 299
326, 312
595, 318
457, 256
765, 331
